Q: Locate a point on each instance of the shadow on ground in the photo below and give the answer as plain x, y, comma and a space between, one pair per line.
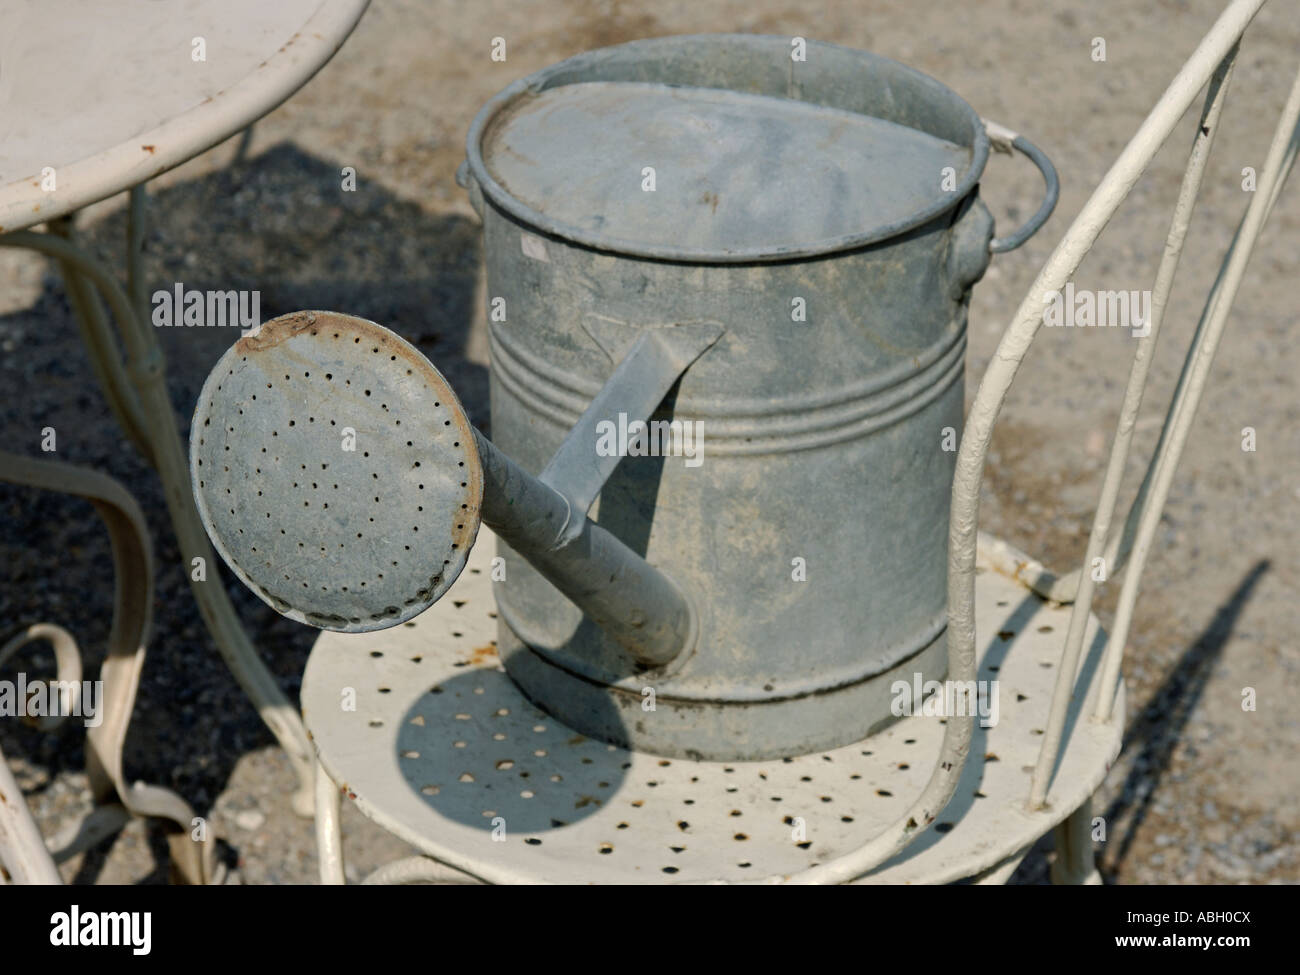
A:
1151, 739
1156, 731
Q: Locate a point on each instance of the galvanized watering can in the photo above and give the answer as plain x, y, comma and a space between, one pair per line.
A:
727, 313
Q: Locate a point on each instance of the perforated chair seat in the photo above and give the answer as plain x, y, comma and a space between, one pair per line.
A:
444, 751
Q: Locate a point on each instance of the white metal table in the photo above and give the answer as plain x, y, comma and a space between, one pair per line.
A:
109, 95
97, 98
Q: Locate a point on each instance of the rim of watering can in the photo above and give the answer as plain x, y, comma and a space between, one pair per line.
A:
578, 69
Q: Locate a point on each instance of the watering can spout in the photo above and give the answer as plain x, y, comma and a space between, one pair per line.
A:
637, 605
340, 479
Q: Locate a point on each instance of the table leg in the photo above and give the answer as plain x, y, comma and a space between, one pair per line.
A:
193, 856
146, 372
22, 850
97, 337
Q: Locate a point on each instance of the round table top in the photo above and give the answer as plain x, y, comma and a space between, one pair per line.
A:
102, 95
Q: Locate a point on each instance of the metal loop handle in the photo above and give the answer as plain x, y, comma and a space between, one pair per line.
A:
1004, 140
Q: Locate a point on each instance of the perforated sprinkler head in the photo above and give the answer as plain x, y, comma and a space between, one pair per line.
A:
335, 471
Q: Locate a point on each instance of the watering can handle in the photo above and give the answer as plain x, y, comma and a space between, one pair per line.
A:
1004, 140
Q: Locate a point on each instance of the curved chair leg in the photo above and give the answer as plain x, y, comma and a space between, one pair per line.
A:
1075, 863
1000, 873
329, 835
418, 870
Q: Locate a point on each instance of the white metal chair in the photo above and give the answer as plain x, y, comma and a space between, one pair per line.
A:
442, 750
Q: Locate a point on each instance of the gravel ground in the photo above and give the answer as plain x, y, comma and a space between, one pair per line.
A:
1204, 792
